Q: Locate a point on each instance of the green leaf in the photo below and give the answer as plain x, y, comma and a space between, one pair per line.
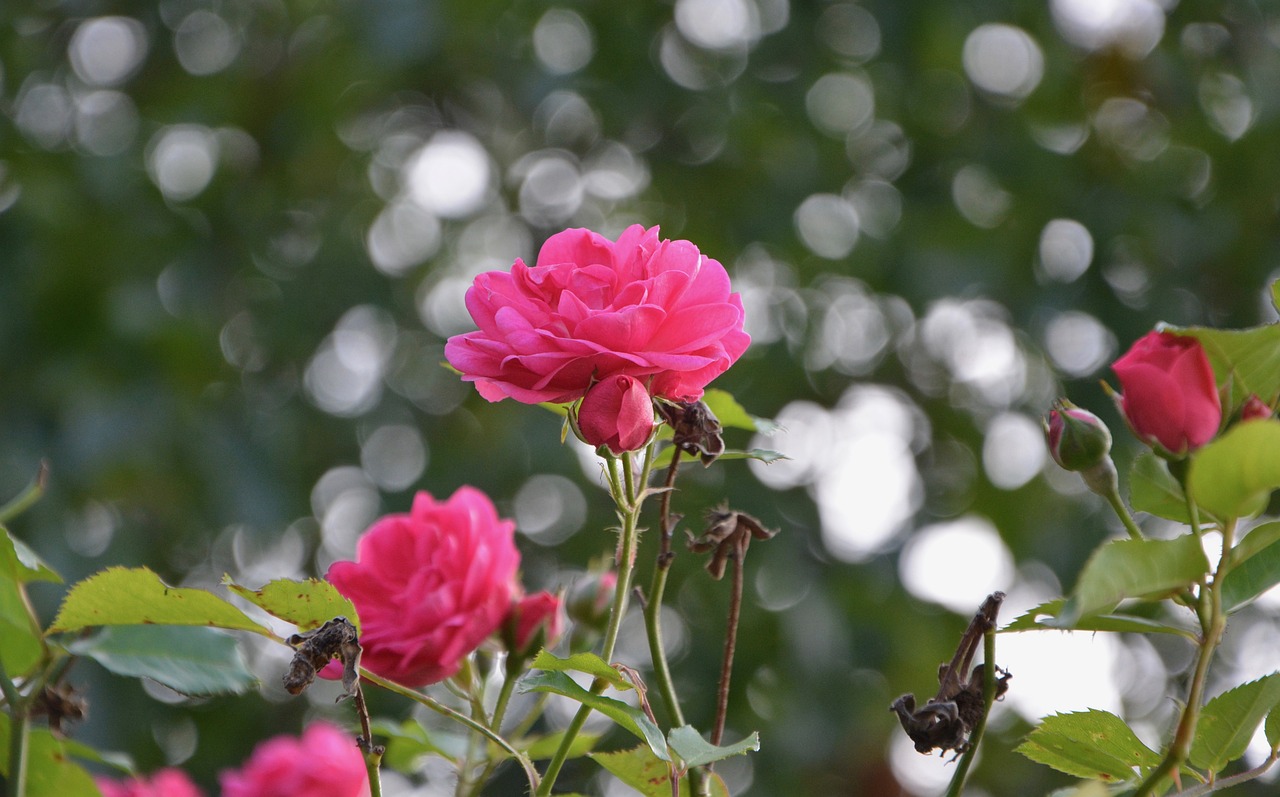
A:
137, 596
408, 741
639, 769
50, 770
1153, 489
193, 660
1272, 728
121, 762
588, 663
1234, 475
732, 415
1041, 618
1244, 361
1255, 567
628, 717
22, 563
1132, 569
696, 751
765, 455
1088, 744
1227, 723
21, 649
543, 747
307, 604
1275, 294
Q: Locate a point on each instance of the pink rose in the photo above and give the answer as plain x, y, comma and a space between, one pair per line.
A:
592, 308
1255, 409
163, 783
1169, 394
617, 413
431, 585
1078, 439
536, 621
324, 761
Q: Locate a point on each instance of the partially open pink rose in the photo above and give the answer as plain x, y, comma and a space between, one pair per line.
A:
1169, 394
592, 308
535, 621
431, 585
323, 761
163, 783
617, 413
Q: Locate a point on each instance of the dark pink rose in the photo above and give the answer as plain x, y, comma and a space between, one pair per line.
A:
431, 585
592, 308
536, 621
617, 413
323, 761
1169, 394
1255, 409
162, 783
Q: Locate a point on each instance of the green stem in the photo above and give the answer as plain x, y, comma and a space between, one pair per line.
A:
653, 606
499, 711
1122, 512
989, 698
29, 495
18, 737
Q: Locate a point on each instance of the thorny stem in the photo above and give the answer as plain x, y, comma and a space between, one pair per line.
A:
730, 642
372, 752
18, 738
989, 698
653, 605
628, 501
1234, 780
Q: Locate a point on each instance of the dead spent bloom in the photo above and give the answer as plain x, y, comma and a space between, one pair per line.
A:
728, 534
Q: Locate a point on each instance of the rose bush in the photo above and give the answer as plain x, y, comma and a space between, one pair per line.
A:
163, 783
323, 761
591, 308
616, 412
1169, 396
430, 585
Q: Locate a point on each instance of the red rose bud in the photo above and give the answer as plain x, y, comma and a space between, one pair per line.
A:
1169, 395
536, 621
1255, 409
616, 412
1078, 439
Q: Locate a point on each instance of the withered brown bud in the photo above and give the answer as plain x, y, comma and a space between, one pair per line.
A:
727, 536
58, 704
336, 639
695, 429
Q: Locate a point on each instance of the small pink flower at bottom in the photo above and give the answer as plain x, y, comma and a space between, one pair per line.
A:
163, 783
323, 761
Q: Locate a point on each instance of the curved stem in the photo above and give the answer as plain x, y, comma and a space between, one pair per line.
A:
653, 607
1122, 512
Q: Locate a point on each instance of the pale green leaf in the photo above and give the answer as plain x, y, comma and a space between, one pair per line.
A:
588, 663
1272, 728
1128, 568
1228, 722
21, 649
639, 769
1041, 618
732, 415
1089, 744
695, 751
543, 747
307, 604
764, 455
628, 717
408, 741
1233, 475
22, 563
193, 660
1255, 567
1153, 489
137, 596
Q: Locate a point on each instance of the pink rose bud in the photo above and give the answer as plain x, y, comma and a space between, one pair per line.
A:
163, 783
1255, 409
591, 598
431, 585
1169, 395
617, 413
323, 761
1078, 439
660, 311
536, 621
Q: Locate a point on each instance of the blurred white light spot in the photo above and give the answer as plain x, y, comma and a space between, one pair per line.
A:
956, 564
918, 774
1229, 108
562, 41
449, 175
854, 330
106, 122
1059, 671
345, 376
205, 43
979, 198
718, 24
1004, 60
345, 503
1132, 127
1062, 139
394, 456
1077, 343
827, 225
882, 150
1066, 250
181, 160
403, 235
552, 190
44, 113
549, 509
878, 205
1204, 39
850, 31
1013, 450
613, 172
977, 347
1132, 26
840, 102
105, 51
806, 433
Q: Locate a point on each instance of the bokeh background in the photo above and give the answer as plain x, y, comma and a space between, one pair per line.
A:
234, 235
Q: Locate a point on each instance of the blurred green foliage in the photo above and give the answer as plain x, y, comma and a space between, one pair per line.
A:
229, 257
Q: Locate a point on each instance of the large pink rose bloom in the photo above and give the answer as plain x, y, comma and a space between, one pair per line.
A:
323, 761
431, 585
592, 308
163, 783
1169, 394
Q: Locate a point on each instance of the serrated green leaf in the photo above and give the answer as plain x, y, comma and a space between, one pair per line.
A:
588, 663
1235, 474
137, 596
1041, 617
1132, 569
1244, 361
1088, 744
21, 649
764, 455
1255, 567
696, 751
628, 717
1153, 489
1272, 727
1228, 722
307, 604
732, 415
192, 660
639, 769
21, 563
